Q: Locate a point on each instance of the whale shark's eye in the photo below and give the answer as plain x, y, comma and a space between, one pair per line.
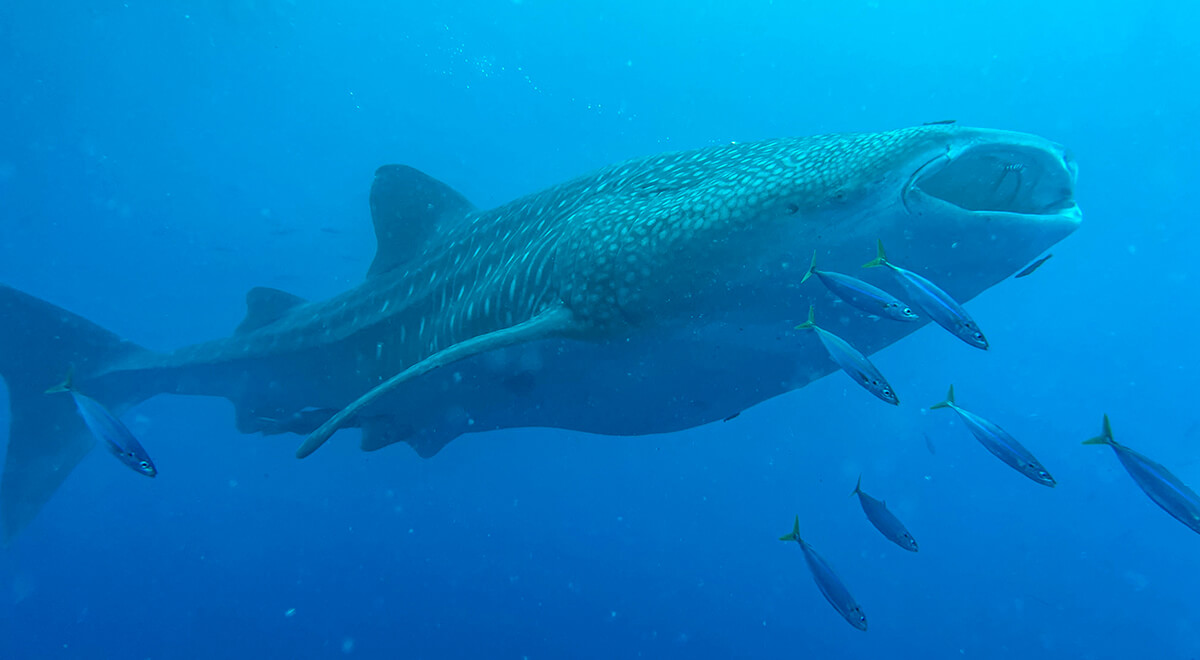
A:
792, 209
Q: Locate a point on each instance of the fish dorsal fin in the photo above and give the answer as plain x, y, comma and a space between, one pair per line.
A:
407, 207
265, 305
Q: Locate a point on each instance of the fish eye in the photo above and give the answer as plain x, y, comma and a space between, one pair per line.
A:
887, 392
144, 465
977, 335
909, 312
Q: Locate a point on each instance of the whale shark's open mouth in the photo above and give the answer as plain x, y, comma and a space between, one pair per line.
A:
1000, 178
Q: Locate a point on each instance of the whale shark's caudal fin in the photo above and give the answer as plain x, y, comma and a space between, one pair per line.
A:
39, 345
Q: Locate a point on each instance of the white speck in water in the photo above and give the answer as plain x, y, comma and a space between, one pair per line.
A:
291, 611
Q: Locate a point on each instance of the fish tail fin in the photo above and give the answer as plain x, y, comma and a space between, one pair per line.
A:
795, 535
880, 256
39, 343
1105, 437
811, 269
857, 487
812, 319
948, 403
68, 383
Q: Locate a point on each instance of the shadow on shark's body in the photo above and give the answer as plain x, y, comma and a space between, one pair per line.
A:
651, 296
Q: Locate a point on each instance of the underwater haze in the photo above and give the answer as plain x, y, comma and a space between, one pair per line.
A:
159, 159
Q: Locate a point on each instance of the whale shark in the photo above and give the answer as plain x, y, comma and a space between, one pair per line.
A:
650, 296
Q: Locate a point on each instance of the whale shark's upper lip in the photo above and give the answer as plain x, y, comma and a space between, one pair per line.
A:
1002, 176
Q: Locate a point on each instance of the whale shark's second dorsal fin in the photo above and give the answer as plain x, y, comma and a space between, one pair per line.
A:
408, 206
264, 306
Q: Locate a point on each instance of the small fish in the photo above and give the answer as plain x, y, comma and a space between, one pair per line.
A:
827, 581
858, 293
108, 429
1164, 488
1032, 267
937, 122
935, 303
999, 442
855, 364
883, 520
733, 416
929, 445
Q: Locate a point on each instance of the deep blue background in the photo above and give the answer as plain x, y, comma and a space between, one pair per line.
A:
157, 159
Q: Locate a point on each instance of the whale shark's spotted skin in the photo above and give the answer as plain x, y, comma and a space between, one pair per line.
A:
652, 295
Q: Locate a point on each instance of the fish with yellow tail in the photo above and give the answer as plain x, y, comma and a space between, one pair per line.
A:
998, 441
854, 363
108, 429
932, 301
828, 582
1167, 491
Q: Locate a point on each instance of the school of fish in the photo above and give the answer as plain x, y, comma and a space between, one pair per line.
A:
1163, 488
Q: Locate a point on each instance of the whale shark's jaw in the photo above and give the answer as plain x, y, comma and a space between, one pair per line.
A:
984, 204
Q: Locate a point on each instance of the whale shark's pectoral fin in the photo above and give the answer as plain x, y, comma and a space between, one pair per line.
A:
554, 321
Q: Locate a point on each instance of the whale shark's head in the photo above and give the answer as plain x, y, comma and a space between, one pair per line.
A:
738, 224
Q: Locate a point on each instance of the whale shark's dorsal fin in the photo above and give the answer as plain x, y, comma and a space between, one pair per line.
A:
408, 206
265, 306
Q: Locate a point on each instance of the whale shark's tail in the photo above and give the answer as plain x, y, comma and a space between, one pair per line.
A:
39, 344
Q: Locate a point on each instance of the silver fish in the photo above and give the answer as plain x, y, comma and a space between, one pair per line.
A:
1164, 488
883, 520
1028, 270
935, 303
108, 429
854, 363
999, 442
858, 293
827, 581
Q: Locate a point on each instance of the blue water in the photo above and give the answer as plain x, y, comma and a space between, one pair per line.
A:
157, 159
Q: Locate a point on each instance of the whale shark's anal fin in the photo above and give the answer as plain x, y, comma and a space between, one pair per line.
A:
407, 207
556, 321
380, 432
